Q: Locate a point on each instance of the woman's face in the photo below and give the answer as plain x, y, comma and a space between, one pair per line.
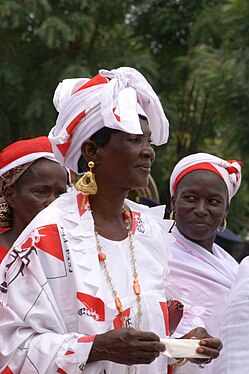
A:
125, 161
41, 184
200, 204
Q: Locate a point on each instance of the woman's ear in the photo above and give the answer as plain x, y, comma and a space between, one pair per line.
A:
227, 210
172, 203
89, 151
9, 195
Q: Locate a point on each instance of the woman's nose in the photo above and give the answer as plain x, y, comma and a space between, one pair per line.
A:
201, 208
149, 152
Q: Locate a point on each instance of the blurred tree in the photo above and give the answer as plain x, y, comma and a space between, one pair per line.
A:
44, 41
201, 49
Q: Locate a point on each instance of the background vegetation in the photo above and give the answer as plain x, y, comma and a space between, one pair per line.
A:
195, 53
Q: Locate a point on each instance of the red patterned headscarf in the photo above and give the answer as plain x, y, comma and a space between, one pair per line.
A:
111, 99
14, 161
229, 171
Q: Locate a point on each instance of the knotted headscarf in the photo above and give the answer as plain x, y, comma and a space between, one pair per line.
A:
14, 161
229, 171
111, 99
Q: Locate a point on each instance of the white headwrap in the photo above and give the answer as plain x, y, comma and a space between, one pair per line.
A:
229, 171
111, 99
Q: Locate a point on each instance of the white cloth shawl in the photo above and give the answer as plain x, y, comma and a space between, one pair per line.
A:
234, 358
201, 281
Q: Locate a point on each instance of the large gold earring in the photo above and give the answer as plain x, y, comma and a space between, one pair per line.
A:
223, 228
87, 183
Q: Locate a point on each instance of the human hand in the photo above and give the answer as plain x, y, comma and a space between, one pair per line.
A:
209, 345
126, 346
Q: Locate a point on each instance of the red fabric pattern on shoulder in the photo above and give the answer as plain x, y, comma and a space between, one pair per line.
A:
7, 371
135, 220
3, 229
47, 241
3, 252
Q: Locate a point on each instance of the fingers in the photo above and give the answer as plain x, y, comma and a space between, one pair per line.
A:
127, 346
197, 333
153, 347
210, 347
147, 336
212, 343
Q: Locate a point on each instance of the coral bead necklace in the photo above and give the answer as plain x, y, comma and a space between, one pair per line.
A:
136, 286
126, 214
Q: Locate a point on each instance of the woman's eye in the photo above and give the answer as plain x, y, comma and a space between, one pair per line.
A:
189, 198
139, 139
40, 192
135, 140
214, 201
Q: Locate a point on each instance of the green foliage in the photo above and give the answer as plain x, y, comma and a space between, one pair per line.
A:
195, 53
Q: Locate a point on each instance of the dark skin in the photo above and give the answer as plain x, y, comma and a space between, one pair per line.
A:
200, 204
39, 186
115, 176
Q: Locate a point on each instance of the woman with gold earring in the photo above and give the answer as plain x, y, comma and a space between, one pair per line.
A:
201, 187
83, 288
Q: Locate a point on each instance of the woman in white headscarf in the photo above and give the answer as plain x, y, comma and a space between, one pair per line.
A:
201, 273
83, 287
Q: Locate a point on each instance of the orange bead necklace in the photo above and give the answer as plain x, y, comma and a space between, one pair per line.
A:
136, 286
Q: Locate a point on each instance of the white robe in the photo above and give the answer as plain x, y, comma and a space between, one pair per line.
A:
234, 358
201, 280
57, 298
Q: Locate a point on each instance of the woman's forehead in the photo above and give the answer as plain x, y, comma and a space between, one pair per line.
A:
206, 178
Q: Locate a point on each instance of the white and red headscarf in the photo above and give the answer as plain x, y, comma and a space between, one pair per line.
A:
14, 161
25, 151
111, 99
229, 171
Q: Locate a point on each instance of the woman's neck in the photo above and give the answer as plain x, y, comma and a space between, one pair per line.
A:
8, 238
107, 215
206, 244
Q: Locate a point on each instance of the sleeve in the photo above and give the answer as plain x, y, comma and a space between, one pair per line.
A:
33, 336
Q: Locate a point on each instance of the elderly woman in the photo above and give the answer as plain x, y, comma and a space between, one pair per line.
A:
30, 179
201, 272
89, 270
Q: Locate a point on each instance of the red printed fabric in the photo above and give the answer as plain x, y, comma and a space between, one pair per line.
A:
3, 252
54, 291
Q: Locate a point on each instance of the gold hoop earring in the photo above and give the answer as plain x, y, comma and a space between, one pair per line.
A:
223, 228
172, 215
87, 183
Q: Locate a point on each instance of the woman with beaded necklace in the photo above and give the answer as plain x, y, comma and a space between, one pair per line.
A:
91, 267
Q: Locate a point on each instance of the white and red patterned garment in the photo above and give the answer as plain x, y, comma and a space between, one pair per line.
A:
201, 280
234, 358
54, 297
